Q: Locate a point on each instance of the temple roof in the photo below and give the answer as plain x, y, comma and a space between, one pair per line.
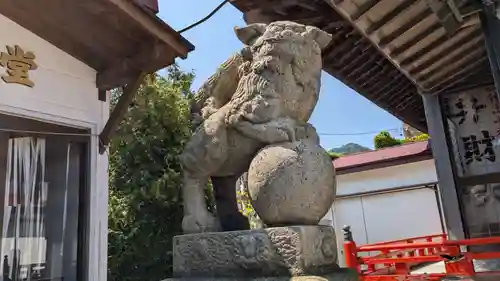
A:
386, 157
118, 38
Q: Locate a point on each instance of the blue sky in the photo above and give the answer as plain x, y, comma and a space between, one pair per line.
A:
340, 110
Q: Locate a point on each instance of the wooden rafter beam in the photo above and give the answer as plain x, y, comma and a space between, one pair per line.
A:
444, 72
434, 59
376, 66
440, 63
469, 81
402, 94
307, 5
398, 10
148, 60
119, 111
470, 20
364, 8
410, 104
356, 46
337, 38
389, 87
396, 84
415, 40
408, 99
384, 41
383, 80
422, 52
335, 24
463, 74
368, 62
349, 39
362, 58
366, 79
448, 14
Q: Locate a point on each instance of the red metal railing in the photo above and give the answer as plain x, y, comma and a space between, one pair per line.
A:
393, 260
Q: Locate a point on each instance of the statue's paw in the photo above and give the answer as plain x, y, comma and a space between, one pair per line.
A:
231, 119
198, 223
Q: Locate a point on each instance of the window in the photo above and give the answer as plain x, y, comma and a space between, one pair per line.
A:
41, 207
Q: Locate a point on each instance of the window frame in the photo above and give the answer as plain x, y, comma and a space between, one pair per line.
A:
81, 137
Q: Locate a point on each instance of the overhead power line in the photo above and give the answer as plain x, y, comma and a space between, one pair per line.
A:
205, 18
214, 11
359, 133
91, 135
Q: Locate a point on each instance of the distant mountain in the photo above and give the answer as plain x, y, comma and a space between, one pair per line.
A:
350, 148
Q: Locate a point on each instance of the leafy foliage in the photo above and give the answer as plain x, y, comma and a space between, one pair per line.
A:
334, 155
384, 139
246, 208
421, 137
145, 198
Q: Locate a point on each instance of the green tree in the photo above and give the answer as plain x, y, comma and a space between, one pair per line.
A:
246, 208
384, 139
145, 202
334, 155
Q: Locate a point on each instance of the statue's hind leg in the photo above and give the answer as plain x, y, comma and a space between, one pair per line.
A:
205, 152
228, 213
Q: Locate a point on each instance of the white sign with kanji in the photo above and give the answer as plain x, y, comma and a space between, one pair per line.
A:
473, 125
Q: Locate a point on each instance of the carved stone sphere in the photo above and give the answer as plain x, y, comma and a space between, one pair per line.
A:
292, 183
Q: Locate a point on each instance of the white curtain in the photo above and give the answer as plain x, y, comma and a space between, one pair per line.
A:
25, 195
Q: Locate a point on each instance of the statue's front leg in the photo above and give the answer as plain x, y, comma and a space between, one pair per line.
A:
203, 155
197, 218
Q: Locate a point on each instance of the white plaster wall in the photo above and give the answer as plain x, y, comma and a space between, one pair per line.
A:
385, 178
327, 219
399, 214
64, 93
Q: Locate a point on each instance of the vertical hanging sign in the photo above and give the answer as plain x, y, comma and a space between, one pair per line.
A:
474, 123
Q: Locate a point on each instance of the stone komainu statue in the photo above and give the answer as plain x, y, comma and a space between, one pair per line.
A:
262, 95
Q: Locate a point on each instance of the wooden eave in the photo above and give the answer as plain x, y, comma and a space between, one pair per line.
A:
390, 50
117, 38
436, 44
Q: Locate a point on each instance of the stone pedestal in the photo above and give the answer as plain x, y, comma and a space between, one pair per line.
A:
283, 253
